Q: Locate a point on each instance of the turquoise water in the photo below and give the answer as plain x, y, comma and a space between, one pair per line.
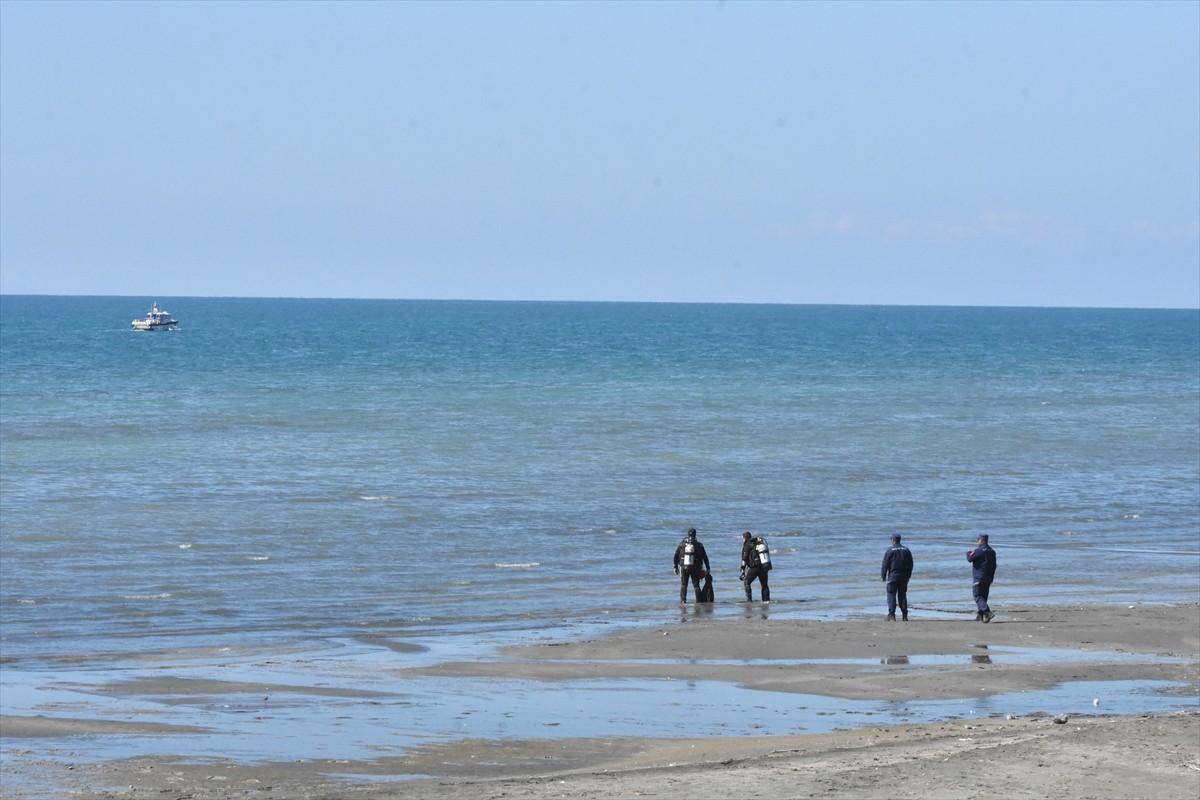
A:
282, 472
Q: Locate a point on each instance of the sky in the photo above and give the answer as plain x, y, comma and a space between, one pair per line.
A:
928, 153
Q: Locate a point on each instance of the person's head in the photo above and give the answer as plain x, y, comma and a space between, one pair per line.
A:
691, 534
746, 535
983, 538
895, 538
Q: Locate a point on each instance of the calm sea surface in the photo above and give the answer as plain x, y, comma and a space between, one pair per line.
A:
283, 472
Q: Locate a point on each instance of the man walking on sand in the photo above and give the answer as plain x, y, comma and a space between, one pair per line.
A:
897, 569
983, 570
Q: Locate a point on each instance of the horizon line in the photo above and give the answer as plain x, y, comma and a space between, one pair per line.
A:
631, 302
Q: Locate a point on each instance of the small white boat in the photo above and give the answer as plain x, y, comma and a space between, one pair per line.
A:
156, 320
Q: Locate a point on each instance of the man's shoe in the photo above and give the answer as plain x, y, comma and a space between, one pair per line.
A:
979, 616
904, 616
987, 616
891, 617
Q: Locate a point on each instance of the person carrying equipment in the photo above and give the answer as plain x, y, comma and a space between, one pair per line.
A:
691, 562
756, 563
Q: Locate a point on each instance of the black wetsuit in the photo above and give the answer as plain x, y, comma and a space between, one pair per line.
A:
755, 569
692, 564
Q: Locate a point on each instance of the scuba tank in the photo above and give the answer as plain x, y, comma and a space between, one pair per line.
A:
764, 552
689, 553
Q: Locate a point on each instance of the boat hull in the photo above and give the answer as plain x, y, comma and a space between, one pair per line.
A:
156, 320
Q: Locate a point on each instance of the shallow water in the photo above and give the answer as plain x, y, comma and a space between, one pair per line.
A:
359, 710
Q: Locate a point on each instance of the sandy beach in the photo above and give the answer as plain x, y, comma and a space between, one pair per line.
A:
1041, 753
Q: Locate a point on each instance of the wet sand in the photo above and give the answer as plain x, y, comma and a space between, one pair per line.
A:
686, 651
1032, 755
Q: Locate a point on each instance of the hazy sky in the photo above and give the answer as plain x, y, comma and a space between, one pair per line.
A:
974, 153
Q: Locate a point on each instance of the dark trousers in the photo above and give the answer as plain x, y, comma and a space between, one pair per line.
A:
897, 592
761, 575
686, 573
980, 592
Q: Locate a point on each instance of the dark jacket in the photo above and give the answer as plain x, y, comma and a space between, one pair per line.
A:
699, 555
897, 564
983, 563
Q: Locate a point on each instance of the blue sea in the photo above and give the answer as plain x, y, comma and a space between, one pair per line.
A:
314, 495
281, 473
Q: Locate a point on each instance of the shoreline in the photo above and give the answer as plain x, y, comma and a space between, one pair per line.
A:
1091, 754
841, 658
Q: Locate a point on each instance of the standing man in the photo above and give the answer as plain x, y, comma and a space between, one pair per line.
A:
897, 569
691, 561
983, 570
756, 563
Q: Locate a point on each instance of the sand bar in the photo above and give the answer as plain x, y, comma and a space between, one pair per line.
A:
1031, 755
